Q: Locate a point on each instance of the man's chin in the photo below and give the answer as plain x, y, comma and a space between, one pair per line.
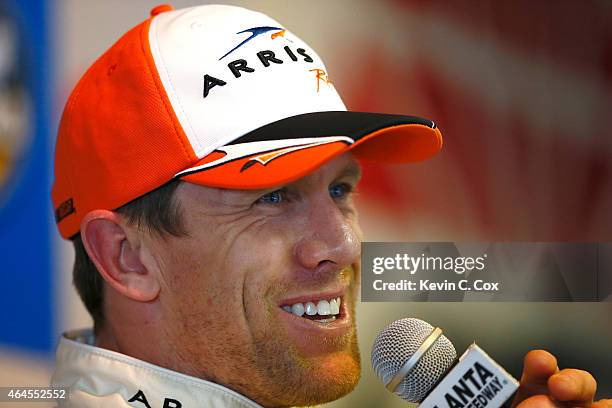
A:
333, 378
297, 380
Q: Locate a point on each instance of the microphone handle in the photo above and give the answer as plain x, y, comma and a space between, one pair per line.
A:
476, 377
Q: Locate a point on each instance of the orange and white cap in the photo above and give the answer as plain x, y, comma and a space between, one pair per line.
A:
214, 95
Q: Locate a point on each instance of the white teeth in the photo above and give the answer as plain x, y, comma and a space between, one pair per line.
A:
298, 309
323, 308
328, 320
311, 309
334, 307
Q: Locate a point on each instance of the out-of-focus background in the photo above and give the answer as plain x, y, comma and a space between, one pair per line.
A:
522, 91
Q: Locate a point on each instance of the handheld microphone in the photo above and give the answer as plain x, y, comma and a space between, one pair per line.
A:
418, 363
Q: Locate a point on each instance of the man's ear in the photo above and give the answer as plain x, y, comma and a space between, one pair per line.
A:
117, 255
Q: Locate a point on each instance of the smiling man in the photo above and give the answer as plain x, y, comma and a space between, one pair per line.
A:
204, 171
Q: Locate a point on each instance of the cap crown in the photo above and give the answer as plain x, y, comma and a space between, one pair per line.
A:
172, 90
228, 70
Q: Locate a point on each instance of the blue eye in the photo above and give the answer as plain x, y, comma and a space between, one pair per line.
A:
340, 190
274, 197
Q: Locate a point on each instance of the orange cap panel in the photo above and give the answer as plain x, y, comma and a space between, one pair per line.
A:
119, 137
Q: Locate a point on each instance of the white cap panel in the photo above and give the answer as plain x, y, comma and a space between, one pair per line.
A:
191, 44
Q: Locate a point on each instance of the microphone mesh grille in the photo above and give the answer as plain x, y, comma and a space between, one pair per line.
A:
397, 343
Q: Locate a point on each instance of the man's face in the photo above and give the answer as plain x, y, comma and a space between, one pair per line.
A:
248, 257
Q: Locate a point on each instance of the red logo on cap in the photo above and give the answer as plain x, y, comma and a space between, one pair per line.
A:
321, 76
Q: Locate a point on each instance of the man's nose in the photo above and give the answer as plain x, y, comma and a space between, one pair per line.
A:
329, 240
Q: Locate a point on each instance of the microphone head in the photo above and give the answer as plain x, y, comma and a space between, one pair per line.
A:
397, 343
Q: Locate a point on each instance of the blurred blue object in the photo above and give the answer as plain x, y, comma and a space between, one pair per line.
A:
26, 297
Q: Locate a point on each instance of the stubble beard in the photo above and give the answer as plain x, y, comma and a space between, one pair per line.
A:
291, 379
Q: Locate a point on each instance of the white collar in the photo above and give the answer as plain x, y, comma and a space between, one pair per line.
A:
100, 378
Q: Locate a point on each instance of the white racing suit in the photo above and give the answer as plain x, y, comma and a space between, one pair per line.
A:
102, 378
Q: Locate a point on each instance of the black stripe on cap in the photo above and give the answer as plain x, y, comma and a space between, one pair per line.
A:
333, 123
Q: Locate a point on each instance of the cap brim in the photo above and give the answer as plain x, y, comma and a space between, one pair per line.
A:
286, 150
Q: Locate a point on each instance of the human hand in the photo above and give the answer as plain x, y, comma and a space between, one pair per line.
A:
543, 385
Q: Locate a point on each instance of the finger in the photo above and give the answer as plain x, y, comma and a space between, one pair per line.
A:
538, 401
575, 386
607, 403
538, 366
